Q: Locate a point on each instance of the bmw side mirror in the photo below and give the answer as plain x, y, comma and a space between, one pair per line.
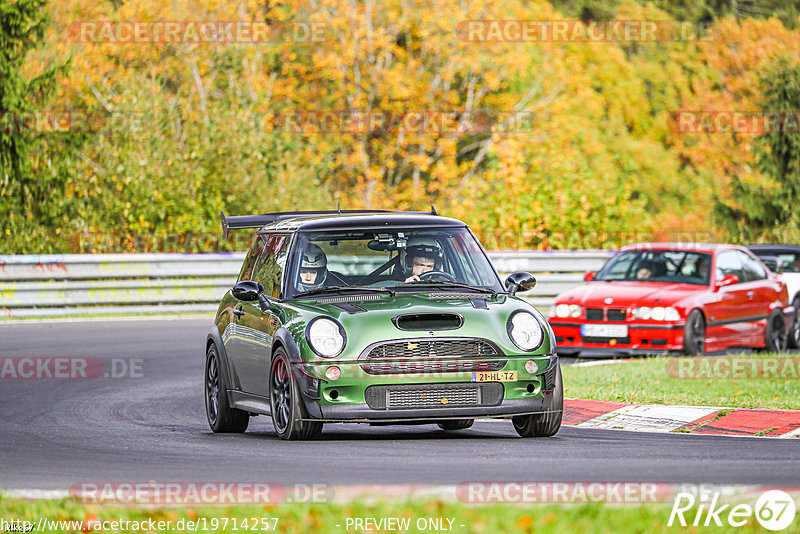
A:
520, 281
728, 280
589, 276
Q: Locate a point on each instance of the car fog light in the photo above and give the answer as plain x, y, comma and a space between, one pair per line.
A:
333, 373
531, 367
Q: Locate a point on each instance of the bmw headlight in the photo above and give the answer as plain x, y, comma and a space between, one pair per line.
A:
525, 331
568, 310
326, 337
657, 314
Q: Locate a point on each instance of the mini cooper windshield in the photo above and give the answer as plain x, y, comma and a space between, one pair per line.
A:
674, 266
389, 260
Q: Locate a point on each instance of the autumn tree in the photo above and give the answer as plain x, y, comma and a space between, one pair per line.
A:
768, 209
34, 170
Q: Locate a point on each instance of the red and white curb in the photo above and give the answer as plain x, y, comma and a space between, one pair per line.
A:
706, 420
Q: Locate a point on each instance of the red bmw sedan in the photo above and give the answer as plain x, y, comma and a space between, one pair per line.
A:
667, 298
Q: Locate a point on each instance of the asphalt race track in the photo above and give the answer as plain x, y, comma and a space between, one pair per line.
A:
58, 432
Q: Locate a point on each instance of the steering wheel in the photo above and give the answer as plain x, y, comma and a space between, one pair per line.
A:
430, 275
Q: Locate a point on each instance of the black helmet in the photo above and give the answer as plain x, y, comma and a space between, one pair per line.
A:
313, 258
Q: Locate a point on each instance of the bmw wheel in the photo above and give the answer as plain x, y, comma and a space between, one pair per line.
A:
548, 422
221, 416
288, 412
794, 328
694, 334
775, 332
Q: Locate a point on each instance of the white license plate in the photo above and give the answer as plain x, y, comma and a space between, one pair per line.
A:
604, 330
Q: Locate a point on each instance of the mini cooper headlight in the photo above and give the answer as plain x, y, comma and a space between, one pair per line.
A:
568, 310
525, 331
326, 337
657, 314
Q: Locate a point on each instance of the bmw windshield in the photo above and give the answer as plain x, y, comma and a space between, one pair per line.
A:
674, 266
392, 259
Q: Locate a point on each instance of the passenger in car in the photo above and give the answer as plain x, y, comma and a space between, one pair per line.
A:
645, 270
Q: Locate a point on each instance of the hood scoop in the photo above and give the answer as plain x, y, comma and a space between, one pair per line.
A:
428, 321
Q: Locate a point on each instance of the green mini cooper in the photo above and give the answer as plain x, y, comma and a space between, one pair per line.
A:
376, 317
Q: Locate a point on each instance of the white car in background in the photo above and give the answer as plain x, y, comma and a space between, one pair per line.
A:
785, 260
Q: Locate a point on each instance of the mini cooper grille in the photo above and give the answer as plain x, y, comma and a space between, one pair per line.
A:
439, 348
432, 367
398, 397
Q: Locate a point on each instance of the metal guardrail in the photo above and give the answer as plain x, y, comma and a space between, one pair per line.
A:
71, 284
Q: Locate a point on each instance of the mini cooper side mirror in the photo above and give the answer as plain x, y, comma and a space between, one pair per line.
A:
589, 276
520, 281
727, 280
247, 290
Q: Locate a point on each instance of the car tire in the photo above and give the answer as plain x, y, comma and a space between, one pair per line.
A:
222, 418
544, 424
694, 334
775, 332
793, 338
288, 411
456, 424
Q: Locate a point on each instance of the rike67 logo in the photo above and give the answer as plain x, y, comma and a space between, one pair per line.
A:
774, 510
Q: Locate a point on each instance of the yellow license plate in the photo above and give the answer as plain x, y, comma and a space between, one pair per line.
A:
495, 376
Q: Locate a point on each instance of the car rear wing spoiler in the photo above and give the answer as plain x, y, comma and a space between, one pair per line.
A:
239, 222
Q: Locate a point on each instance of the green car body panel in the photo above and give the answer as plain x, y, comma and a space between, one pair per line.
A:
255, 330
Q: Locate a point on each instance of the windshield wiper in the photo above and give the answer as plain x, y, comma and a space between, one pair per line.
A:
341, 289
446, 283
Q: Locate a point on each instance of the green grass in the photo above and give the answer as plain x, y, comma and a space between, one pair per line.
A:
647, 381
324, 518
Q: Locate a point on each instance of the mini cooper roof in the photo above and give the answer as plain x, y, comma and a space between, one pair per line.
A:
339, 219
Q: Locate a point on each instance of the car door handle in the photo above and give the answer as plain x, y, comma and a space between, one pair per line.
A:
238, 313
750, 294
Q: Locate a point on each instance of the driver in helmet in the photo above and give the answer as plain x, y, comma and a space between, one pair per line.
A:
423, 255
313, 268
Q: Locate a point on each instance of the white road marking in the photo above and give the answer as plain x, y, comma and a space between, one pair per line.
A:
649, 418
